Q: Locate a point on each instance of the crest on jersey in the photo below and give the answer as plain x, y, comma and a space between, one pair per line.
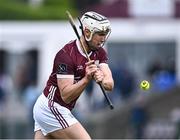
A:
62, 68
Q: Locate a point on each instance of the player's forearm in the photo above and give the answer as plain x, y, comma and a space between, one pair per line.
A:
71, 92
108, 83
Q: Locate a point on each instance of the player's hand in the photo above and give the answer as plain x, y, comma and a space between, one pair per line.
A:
91, 68
98, 76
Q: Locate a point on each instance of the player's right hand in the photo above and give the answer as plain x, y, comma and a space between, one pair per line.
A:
91, 68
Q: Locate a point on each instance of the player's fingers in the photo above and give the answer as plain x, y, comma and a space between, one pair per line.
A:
93, 67
98, 76
89, 62
93, 71
99, 72
99, 79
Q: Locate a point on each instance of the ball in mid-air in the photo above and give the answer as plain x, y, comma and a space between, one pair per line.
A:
145, 85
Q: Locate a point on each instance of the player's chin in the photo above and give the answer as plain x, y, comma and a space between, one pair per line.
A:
98, 46
95, 48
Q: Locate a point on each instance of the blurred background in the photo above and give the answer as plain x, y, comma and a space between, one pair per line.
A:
144, 45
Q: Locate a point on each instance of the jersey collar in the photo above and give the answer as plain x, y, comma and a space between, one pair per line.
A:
80, 49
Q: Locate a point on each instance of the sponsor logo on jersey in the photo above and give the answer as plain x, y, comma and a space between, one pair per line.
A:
62, 68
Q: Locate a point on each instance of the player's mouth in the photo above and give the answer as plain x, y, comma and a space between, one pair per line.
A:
100, 44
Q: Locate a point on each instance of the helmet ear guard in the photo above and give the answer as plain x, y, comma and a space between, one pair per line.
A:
82, 28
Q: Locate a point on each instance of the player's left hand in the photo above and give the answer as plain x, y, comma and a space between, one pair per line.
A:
98, 76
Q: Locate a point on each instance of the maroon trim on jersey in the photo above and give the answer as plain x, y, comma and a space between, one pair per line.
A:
57, 115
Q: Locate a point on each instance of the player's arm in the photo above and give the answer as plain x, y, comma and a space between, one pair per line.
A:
70, 90
104, 76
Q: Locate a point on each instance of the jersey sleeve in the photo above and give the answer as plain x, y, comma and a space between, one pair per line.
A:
63, 65
103, 57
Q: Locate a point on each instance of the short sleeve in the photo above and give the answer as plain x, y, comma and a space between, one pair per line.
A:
102, 56
63, 65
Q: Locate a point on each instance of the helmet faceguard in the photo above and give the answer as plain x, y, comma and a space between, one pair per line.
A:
95, 23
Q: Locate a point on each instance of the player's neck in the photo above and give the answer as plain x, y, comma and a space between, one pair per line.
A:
85, 45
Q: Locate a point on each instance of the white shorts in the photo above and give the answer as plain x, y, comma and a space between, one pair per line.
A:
50, 116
